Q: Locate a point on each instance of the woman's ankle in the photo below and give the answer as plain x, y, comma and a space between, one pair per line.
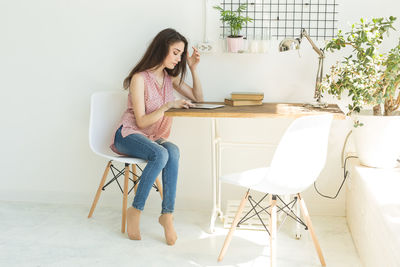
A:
167, 215
166, 220
135, 210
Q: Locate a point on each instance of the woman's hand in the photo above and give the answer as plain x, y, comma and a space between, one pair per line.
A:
194, 59
180, 103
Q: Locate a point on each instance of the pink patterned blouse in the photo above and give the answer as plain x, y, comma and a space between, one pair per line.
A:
154, 98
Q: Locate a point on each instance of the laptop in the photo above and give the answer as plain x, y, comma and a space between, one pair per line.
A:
207, 106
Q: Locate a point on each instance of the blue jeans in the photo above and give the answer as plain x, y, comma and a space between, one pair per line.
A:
162, 156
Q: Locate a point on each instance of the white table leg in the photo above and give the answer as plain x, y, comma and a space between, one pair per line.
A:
218, 170
215, 168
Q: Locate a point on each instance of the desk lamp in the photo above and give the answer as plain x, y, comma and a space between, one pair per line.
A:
294, 44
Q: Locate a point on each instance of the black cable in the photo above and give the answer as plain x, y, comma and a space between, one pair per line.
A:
345, 173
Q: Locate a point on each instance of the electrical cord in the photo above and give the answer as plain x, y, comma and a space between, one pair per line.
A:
344, 146
345, 174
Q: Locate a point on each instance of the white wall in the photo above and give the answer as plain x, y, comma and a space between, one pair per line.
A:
55, 53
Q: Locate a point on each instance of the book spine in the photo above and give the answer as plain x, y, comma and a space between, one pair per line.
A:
247, 97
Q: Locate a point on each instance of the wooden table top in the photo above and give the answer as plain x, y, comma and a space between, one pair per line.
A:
266, 110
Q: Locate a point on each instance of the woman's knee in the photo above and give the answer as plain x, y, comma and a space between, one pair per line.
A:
160, 154
173, 150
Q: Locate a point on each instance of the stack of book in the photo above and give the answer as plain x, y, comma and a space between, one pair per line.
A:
245, 99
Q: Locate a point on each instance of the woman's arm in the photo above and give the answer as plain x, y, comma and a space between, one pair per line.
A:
144, 120
196, 93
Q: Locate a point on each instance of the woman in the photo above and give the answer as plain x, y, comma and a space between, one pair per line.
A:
144, 128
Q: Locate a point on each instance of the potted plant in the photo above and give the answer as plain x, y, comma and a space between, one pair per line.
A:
371, 80
236, 22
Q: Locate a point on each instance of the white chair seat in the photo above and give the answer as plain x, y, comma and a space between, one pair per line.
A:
124, 159
247, 179
262, 180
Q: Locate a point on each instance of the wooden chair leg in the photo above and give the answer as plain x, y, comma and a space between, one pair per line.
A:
96, 198
125, 198
298, 230
134, 177
159, 186
272, 230
306, 216
233, 227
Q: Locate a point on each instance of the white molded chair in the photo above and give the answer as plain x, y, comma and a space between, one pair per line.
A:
105, 113
296, 164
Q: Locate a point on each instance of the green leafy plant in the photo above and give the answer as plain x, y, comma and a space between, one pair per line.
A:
234, 18
370, 78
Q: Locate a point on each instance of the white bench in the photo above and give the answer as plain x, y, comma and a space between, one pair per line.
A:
373, 213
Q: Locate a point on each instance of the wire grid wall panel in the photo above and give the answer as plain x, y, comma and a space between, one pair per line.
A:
285, 18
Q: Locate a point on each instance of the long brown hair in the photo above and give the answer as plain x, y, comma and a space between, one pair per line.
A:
156, 53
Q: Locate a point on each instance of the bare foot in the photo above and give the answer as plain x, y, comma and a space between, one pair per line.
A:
133, 221
166, 220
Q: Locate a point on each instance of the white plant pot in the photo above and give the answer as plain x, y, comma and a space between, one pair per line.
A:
235, 44
378, 140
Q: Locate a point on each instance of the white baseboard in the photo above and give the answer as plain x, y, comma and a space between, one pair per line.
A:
107, 199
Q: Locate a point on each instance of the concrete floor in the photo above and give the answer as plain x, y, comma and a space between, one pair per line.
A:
33, 234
